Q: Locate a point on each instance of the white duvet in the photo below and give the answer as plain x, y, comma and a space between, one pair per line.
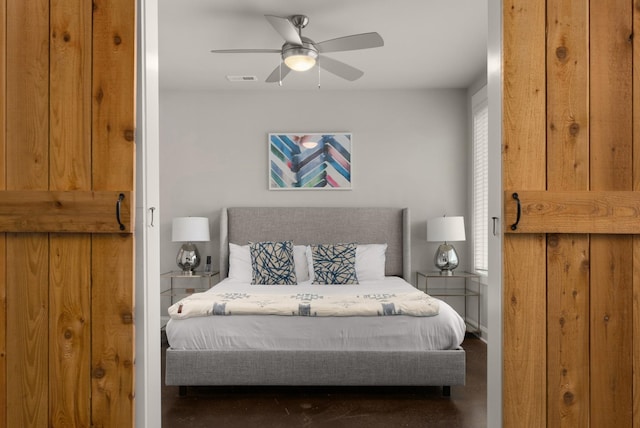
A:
275, 332
320, 302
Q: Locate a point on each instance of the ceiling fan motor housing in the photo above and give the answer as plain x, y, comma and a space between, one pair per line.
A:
299, 21
305, 55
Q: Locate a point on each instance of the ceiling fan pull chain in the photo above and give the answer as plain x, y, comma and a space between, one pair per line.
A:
318, 72
280, 79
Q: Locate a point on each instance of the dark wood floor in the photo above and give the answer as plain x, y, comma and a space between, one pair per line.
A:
334, 407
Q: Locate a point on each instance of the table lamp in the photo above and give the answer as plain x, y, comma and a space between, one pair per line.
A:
446, 229
189, 230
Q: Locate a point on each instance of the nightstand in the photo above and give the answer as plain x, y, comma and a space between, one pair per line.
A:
441, 290
182, 285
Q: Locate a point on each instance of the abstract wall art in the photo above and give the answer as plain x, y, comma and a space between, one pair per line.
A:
310, 161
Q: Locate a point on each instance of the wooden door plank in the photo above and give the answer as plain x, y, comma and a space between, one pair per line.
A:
611, 340
114, 94
567, 255
3, 283
27, 91
3, 93
636, 332
113, 148
568, 95
70, 172
28, 321
26, 168
611, 257
568, 330
3, 331
609, 212
611, 95
70, 94
70, 330
77, 211
113, 331
524, 118
636, 239
524, 282
524, 387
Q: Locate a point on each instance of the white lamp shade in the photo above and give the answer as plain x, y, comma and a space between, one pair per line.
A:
190, 229
445, 229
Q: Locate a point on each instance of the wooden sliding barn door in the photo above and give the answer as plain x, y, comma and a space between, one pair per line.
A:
571, 135
66, 264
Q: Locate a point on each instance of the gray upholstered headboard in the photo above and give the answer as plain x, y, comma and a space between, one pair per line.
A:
307, 225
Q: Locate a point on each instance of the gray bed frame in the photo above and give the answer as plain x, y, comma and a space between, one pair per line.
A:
301, 368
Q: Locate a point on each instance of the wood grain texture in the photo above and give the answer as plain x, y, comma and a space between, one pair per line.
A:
70, 94
611, 160
636, 239
611, 95
611, 318
3, 331
568, 330
70, 254
609, 212
568, 95
77, 211
3, 93
27, 260
69, 330
27, 86
524, 332
3, 283
112, 331
524, 95
636, 332
113, 148
66, 105
524, 149
113, 94
567, 255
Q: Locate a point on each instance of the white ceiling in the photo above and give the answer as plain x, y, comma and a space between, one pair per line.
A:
428, 43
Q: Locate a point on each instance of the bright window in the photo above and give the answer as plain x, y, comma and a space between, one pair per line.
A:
480, 197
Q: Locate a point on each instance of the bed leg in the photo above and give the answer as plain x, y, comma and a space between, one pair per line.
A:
446, 391
182, 391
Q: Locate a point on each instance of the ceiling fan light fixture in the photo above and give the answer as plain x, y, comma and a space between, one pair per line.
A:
299, 58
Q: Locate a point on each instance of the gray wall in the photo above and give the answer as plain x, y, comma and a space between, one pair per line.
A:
409, 150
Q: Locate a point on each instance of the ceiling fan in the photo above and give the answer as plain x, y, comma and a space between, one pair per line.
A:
300, 53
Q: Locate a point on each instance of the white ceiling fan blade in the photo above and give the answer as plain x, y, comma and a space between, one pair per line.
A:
351, 43
245, 51
275, 75
285, 28
340, 69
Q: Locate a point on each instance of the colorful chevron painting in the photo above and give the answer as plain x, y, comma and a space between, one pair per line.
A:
310, 161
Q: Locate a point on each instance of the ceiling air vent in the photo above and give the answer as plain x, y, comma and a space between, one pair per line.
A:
242, 78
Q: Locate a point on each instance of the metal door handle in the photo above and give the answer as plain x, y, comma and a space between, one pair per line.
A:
120, 198
514, 226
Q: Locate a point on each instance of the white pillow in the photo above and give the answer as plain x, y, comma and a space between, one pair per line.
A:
240, 263
370, 260
300, 262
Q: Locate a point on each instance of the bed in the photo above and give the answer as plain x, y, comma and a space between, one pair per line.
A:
350, 350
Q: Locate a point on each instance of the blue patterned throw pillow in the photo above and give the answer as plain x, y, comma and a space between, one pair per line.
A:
334, 263
272, 263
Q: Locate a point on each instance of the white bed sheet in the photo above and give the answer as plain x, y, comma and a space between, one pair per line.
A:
272, 332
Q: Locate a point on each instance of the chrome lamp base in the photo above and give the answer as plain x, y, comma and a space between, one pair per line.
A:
188, 258
446, 259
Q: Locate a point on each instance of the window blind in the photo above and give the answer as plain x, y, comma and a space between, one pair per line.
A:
480, 203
